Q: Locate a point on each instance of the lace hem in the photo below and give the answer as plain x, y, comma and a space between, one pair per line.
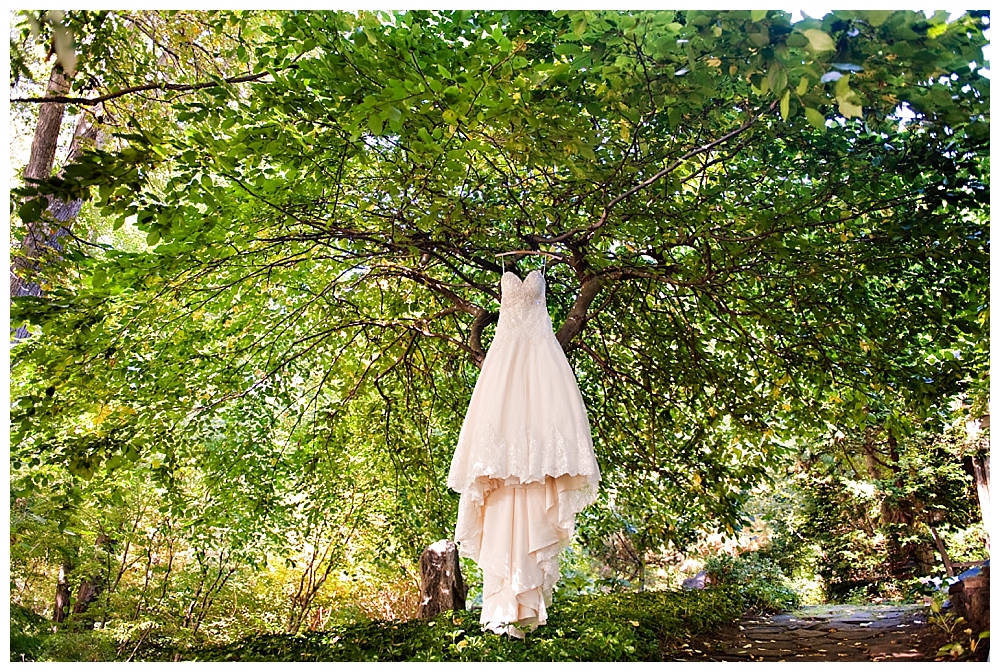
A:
529, 457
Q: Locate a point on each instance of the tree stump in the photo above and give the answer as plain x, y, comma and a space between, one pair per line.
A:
971, 597
441, 587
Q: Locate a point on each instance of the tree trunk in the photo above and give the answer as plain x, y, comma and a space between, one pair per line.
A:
43, 237
88, 592
897, 519
576, 320
50, 116
40, 162
441, 586
981, 468
971, 598
945, 558
61, 608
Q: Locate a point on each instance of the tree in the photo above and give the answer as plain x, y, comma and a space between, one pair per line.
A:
746, 234
92, 50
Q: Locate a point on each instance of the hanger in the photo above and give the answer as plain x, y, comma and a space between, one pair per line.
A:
545, 257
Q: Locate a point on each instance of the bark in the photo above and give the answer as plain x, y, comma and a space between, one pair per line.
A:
981, 468
577, 317
61, 608
971, 599
483, 318
441, 585
945, 558
40, 162
89, 590
50, 115
58, 99
43, 237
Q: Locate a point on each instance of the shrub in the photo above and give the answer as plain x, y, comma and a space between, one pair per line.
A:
760, 581
71, 645
27, 632
617, 627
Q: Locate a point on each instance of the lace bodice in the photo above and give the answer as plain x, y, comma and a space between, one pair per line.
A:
523, 313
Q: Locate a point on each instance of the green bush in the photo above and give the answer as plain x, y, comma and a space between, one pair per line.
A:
72, 645
626, 626
27, 633
759, 580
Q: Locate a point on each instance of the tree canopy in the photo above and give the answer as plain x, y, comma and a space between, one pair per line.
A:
761, 230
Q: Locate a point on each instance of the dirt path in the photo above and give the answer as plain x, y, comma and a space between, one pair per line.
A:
824, 633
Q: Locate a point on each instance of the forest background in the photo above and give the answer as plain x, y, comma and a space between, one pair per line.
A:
253, 277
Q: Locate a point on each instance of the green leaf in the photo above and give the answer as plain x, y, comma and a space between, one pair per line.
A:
784, 104
568, 49
843, 86
876, 17
757, 14
818, 40
816, 118
99, 278
777, 78
848, 108
153, 238
796, 40
31, 211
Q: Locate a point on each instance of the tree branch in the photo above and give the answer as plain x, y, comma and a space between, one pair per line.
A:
577, 317
646, 183
136, 89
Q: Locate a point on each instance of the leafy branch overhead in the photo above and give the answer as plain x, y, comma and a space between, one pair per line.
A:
749, 238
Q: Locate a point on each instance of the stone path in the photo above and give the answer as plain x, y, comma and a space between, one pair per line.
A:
822, 633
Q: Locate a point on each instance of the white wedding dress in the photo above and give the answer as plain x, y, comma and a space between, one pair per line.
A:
524, 463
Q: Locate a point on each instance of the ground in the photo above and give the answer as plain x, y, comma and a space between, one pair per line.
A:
825, 633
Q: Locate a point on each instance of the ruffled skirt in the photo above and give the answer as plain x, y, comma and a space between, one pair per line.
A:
525, 467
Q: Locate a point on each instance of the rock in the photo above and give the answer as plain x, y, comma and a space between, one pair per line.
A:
441, 586
696, 582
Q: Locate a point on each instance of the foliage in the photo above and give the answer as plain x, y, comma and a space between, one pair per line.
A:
965, 544
859, 509
336, 224
619, 627
637, 626
256, 361
846, 511
760, 581
27, 632
963, 643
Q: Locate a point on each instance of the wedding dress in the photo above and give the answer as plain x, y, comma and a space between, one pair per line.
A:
524, 463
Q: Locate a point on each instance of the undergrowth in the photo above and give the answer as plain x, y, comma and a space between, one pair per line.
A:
759, 579
629, 626
646, 626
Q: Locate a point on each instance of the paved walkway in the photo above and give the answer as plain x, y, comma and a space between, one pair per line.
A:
822, 633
